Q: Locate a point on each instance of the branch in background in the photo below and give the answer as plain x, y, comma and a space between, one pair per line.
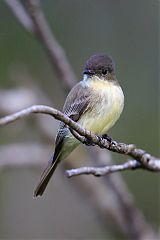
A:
50, 44
23, 155
12, 100
20, 13
32, 18
145, 160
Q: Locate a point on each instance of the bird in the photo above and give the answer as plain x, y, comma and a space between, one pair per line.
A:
95, 103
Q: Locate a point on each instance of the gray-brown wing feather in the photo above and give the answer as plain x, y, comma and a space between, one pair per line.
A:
76, 104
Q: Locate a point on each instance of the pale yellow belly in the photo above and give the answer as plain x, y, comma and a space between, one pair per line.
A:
105, 113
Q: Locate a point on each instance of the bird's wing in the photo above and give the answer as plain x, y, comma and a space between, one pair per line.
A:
77, 102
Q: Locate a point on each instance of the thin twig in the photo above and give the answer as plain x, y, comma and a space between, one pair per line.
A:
146, 160
100, 171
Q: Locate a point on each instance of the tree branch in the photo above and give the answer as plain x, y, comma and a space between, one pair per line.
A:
144, 159
100, 171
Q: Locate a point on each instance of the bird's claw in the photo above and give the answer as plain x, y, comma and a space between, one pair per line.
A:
108, 138
88, 142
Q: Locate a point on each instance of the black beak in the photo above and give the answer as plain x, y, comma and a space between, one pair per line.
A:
88, 72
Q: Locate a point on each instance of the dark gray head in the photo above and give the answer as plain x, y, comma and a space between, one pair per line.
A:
100, 65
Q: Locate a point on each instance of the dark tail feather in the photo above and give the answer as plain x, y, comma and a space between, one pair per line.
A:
46, 175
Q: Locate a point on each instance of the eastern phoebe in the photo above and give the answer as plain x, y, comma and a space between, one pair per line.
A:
95, 103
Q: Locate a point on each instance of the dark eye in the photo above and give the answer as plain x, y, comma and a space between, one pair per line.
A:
105, 71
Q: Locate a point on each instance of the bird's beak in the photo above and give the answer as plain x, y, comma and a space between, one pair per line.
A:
88, 72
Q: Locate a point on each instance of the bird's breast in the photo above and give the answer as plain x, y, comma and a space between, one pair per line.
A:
105, 107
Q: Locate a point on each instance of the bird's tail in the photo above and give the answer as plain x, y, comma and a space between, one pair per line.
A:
46, 175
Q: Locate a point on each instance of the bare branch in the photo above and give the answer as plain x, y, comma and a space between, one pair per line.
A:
146, 160
100, 171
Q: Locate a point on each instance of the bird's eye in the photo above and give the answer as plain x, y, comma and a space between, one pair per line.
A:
105, 71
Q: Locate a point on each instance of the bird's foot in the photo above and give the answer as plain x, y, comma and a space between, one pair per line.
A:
88, 142
108, 138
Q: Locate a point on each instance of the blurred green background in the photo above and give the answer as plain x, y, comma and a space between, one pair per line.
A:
127, 30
